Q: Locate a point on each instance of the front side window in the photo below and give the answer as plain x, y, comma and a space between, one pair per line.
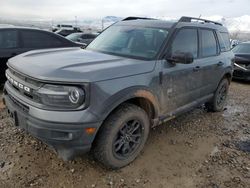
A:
208, 43
36, 39
186, 40
8, 39
131, 41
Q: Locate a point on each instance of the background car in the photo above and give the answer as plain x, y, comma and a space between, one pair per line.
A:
62, 26
234, 43
66, 32
83, 38
242, 61
17, 40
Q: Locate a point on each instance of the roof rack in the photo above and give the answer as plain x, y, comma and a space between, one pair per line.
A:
137, 18
190, 19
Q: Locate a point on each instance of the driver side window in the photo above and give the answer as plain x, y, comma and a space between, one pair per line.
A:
186, 40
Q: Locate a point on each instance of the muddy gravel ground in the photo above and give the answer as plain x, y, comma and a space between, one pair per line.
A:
198, 149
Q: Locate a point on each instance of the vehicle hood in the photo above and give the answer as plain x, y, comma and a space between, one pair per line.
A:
76, 65
242, 58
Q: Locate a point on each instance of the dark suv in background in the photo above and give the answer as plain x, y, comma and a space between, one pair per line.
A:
136, 74
242, 61
17, 40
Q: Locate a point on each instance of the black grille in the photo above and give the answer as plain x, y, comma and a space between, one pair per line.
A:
21, 106
25, 78
25, 81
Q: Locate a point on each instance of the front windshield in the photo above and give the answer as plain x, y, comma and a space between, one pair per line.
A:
242, 48
130, 41
73, 36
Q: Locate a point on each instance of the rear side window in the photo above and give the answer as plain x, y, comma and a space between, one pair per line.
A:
36, 39
8, 39
208, 43
224, 41
186, 40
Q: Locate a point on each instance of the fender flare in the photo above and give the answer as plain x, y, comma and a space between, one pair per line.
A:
129, 93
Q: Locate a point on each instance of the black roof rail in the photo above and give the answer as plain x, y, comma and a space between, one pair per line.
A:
137, 18
189, 19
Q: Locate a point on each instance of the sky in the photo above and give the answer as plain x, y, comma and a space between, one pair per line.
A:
68, 9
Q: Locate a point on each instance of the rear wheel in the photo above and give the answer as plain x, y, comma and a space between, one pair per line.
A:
122, 136
219, 100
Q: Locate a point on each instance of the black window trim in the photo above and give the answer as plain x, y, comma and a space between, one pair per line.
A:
216, 39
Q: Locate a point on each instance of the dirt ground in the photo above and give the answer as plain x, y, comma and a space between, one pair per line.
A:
198, 149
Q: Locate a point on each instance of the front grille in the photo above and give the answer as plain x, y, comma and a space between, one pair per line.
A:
21, 106
25, 86
25, 78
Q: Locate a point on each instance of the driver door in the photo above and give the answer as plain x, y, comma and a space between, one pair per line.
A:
181, 82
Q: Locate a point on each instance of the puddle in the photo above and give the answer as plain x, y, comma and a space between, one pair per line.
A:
232, 110
244, 146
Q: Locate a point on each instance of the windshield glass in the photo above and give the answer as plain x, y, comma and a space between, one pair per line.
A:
73, 36
130, 41
242, 48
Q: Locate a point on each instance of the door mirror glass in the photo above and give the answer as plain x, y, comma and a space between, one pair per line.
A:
181, 57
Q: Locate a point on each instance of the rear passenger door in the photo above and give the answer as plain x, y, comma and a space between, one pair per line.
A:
210, 62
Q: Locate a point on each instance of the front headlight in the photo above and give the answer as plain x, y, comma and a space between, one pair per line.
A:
59, 96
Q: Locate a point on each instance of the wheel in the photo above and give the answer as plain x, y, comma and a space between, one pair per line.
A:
218, 102
122, 136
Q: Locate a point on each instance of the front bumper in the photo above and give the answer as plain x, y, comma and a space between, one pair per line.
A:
68, 138
241, 74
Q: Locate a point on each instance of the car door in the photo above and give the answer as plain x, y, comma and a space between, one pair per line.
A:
210, 61
181, 82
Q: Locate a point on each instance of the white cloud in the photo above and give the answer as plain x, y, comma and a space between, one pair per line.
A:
64, 9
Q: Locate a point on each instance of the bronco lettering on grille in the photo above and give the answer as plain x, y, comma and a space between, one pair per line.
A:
17, 84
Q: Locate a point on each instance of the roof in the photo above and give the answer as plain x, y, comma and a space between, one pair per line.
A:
184, 21
6, 25
147, 23
17, 27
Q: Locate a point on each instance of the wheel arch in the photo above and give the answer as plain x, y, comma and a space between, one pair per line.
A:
140, 96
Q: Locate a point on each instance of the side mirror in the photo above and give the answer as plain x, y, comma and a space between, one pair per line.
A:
181, 57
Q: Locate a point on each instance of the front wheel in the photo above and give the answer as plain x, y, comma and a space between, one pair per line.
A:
218, 102
122, 136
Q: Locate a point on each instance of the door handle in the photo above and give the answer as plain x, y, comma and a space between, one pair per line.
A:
197, 68
220, 63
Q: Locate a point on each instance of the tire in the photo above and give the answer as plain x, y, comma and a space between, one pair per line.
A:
218, 102
117, 143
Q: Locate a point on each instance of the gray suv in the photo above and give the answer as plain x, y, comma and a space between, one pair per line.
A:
136, 74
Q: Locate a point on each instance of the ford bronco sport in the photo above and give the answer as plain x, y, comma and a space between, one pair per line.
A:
135, 75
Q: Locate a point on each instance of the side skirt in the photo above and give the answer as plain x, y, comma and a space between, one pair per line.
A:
183, 109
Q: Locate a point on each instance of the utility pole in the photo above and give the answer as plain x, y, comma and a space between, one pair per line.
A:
102, 24
76, 21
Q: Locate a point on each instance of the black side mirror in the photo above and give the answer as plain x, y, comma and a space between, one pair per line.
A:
181, 57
